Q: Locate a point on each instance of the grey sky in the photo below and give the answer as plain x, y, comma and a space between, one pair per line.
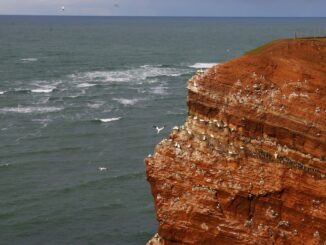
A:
167, 7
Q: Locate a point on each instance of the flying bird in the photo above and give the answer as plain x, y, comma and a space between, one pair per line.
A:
102, 169
158, 129
63, 8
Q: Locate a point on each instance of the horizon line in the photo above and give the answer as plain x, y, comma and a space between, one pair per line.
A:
158, 16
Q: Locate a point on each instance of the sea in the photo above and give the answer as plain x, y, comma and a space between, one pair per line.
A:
79, 97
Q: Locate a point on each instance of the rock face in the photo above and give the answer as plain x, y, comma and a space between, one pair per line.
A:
249, 164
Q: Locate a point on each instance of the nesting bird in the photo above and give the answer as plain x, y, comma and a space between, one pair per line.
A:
175, 128
177, 145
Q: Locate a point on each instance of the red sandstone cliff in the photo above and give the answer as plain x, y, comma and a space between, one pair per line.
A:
249, 164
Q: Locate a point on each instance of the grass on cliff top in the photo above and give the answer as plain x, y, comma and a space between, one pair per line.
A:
311, 38
259, 48
264, 46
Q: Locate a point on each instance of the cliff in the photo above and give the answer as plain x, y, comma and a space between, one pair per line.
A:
249, 164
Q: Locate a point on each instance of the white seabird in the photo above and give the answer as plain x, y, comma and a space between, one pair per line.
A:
158, 129
63, 8
102, 169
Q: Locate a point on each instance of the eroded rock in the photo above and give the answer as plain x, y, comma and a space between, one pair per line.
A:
249, 164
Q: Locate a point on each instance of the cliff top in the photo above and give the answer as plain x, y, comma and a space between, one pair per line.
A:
275, 43
282, 82
287, 76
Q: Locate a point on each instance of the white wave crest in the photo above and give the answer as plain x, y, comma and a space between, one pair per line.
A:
203, 65
132, 75
127, 102
73, 96
29, 59
95, 105
43, 86
26, 110
105, 120
160, 90
85, 85
40, 90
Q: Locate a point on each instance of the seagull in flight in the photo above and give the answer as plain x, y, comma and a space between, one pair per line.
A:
102, 169
158, 129
63, 8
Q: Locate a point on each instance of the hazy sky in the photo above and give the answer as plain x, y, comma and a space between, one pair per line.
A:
167, 7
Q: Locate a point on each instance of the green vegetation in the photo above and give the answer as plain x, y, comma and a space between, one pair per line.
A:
264, 46
311, 38
259, 48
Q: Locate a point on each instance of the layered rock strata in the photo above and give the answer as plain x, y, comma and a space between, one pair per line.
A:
249, 164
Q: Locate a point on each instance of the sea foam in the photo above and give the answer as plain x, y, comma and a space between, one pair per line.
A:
26, 110
136, 75
160, 90
127, 102
85, 85
44, 90
203, 65
95, 104
29, 59
105, 120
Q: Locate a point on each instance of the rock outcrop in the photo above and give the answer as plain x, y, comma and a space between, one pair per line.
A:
249, 164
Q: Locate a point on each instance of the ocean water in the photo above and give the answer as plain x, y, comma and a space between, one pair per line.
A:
82, 93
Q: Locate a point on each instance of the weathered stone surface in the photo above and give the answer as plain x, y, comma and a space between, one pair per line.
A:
249, 164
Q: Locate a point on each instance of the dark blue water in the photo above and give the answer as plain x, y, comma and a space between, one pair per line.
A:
61, 77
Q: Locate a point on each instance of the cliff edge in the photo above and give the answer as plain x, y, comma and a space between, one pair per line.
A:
249, 164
